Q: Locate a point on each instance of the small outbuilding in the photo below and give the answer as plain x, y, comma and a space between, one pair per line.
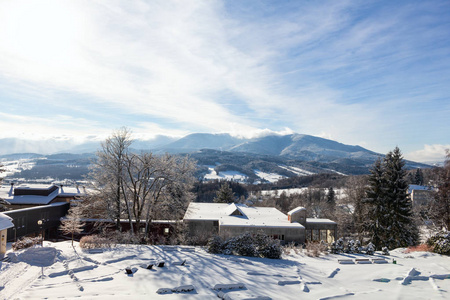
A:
5, 223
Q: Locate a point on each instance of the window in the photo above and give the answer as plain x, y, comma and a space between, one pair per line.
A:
166, 231
323, 235
315, 234
308, 235
330, 237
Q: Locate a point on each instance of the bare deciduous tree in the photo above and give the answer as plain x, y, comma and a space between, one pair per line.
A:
72, 224
157, 186
108, 172
139, 186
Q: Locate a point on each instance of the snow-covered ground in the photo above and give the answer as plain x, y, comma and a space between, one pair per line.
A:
15, 166
59, 271
270, 177
225, 175
298, 171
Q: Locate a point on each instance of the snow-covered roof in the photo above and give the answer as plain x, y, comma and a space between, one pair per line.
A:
419, 187
7, 193
249, 217
296, 210
5, 222
319, 221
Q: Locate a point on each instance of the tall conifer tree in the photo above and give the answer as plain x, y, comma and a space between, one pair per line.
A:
402, 231
376, 202
224, 194
390, 220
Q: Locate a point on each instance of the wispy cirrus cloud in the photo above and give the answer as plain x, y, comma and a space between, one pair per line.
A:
356, 72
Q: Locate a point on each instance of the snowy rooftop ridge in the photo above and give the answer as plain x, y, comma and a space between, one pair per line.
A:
416, 187
321, 221
23, 193
248, 217
5, 221
295, 210
234, 209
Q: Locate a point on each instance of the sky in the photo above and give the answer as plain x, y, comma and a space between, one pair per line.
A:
368, 73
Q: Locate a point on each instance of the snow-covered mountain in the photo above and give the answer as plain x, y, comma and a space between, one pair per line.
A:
298, 146
218, 155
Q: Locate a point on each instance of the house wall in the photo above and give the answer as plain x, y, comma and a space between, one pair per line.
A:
26, 220
285, 235
204, 228
421, 197
321, 232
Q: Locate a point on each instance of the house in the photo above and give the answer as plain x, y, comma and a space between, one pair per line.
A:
19, 196
206, 219
420, 195
36, 208
5, 223
316, 229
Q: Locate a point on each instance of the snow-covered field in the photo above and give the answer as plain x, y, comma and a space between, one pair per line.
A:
270, 177
59, 271
15, 166
225, 175
298, 171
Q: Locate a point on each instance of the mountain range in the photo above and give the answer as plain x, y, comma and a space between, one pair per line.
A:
222, 156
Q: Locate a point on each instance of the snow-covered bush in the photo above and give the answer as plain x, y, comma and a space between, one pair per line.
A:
440, 242
246, 245
340, 245
350, 247
288, 248
314, 249
270, 250
215, 245
385, 250
370, 249
95, 241
358, 247
26, 242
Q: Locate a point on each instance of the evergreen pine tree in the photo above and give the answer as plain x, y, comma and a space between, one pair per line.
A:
331, 196
376, 223
401, 230
418, 177
224, 194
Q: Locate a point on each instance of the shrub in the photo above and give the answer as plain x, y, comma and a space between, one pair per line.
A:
95, 241
26, 242
440, 242
421, 247
215, 245
370, 249
246, 245
314, 249
287, 249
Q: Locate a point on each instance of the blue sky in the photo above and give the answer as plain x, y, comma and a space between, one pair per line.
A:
369, 73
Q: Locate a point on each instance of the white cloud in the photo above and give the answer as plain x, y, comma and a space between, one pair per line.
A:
430, 154
258, 133
333, 69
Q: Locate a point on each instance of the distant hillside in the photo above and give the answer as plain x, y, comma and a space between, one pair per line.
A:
219, 156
